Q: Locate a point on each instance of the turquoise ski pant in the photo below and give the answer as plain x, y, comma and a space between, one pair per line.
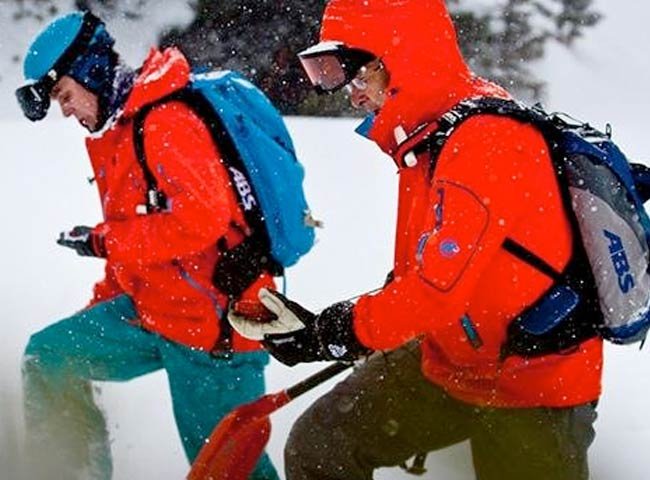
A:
67, 431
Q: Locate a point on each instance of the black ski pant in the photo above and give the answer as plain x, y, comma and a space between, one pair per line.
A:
386, 411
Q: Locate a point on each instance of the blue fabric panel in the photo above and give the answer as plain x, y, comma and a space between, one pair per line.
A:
630, 333
266, 148
550, 310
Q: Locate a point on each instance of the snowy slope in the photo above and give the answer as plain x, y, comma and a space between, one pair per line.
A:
351, 186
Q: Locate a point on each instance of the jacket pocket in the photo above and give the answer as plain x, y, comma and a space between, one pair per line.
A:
454, 227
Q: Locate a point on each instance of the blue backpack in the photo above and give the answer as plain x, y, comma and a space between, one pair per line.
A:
264, 171
605, 288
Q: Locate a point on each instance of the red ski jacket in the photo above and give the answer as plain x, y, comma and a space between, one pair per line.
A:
165, 261
493, 179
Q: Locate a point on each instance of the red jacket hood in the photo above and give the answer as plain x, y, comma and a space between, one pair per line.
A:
416, 41
162, 73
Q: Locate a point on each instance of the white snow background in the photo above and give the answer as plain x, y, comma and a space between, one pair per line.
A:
352, 187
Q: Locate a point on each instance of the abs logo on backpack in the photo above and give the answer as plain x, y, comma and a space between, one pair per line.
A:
620, 261
244, 189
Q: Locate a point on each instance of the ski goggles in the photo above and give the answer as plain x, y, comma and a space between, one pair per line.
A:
330, 66
34, 98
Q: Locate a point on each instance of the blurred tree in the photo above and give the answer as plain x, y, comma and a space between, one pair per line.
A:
257, 37
501, 39
128, 9
44, 10
40, 10
502, 43
261, 38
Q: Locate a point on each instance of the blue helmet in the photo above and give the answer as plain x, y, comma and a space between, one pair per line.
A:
50, 44
77, 45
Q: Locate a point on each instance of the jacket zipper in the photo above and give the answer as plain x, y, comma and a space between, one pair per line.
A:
199, 288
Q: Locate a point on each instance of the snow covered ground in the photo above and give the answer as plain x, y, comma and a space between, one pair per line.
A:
351, 186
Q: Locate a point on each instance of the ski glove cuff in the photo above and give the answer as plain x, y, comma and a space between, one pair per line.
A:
336, 333
298, 335
84, 241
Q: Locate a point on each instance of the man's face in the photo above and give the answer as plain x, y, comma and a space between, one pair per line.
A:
76, 100
368, 89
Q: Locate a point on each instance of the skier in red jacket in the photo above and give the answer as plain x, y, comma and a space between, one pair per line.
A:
157, 306
454, 290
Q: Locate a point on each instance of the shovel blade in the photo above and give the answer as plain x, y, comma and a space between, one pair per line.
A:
237, 443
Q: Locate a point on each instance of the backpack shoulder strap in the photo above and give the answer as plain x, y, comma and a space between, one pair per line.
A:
230, 157
155, 200
241, 265
463, 111
452, 119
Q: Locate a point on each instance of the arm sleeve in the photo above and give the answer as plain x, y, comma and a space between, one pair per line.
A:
478, 192
181, 154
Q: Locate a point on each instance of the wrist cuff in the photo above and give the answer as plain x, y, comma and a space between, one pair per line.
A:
98, 245
335, 328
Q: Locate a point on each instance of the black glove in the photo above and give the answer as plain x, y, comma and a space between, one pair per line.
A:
297, 335
84, 241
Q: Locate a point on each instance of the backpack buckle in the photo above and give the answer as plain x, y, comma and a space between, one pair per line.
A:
312, 222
